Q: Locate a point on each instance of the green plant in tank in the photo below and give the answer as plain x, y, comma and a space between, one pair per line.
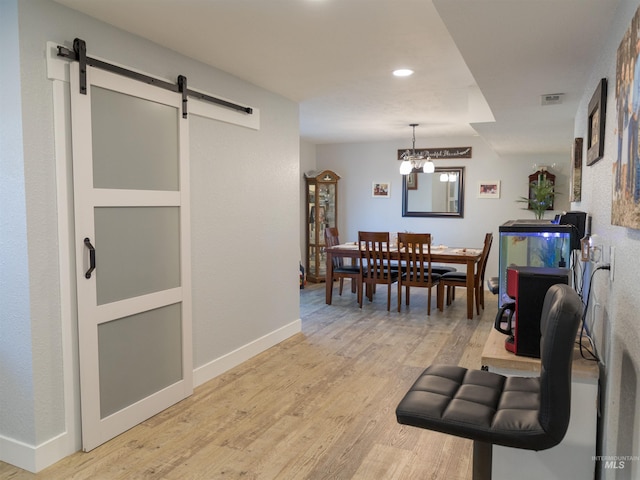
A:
542, 193
547, 252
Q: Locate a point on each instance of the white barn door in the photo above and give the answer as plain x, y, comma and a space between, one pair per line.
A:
131, 198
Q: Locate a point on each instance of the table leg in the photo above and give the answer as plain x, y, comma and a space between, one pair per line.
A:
470, 284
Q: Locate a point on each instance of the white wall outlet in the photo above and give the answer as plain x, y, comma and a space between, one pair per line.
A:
612, 257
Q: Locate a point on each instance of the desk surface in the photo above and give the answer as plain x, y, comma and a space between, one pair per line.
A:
495, 355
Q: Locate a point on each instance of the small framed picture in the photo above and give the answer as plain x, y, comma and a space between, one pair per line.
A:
596, 126
412, 181
381, 190
489, 189
575, 180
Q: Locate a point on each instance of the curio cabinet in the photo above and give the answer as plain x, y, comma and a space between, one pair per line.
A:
321, 213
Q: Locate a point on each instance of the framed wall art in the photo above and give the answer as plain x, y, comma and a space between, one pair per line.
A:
381, 190
412, 181
438, 153
488, 189
596, 123
625, 202
576, 171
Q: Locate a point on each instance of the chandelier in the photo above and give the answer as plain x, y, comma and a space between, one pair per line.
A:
415, 161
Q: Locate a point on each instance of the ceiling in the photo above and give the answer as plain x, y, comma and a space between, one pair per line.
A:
480, 66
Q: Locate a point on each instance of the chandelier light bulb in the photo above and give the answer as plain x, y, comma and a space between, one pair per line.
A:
428, 167
406, 167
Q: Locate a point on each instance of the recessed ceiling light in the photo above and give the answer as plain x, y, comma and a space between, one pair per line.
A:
403, 72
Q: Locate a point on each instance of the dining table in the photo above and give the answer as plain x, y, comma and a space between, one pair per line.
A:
439, 254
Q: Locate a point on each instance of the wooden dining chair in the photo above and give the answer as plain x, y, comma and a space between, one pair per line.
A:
459, 279
415, 257
340, 270
375, 264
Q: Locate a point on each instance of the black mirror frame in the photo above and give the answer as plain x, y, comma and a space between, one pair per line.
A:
458, 214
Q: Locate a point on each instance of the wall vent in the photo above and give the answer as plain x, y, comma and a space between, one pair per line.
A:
552, 98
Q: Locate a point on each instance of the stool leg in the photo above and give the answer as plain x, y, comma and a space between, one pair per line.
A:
482, 459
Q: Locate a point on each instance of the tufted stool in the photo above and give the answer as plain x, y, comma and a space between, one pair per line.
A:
521, 412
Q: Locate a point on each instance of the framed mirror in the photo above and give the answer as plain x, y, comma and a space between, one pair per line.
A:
438, 194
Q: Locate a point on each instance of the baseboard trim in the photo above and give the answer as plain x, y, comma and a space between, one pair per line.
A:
232, 359
36, 458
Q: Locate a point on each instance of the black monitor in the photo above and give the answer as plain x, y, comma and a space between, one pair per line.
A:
577, 220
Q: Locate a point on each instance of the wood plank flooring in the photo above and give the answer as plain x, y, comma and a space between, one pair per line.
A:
320, 405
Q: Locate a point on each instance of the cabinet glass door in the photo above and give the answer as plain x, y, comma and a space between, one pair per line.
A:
322, 213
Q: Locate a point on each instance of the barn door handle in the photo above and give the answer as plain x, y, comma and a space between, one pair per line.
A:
92, 257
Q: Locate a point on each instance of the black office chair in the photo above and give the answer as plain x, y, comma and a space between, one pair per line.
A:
521, 412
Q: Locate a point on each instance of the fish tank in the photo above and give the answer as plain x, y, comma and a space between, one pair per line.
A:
532, 243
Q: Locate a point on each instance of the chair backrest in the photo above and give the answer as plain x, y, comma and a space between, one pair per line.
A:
482, 265
561, 315
375, 255
415, 254
331, 239
331, 236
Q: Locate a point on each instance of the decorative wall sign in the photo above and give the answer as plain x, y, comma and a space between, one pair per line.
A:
596, 121
381, 190
625, 205
438, 153
576, 171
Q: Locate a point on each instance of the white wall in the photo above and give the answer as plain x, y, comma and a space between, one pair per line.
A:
245, 221
16, 371
362, 164
616, 317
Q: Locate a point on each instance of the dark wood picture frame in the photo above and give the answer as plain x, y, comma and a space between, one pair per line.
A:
596, 123
576, 170
412, 181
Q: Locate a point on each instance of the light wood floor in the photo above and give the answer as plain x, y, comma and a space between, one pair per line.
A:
320, 405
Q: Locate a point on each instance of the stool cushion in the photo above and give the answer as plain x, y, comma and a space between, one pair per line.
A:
522, 412
475, 404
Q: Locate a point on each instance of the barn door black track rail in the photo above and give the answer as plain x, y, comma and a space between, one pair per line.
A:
79, 54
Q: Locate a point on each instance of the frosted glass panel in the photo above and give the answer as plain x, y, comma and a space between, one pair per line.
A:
135, 142
137, 251
138, 355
